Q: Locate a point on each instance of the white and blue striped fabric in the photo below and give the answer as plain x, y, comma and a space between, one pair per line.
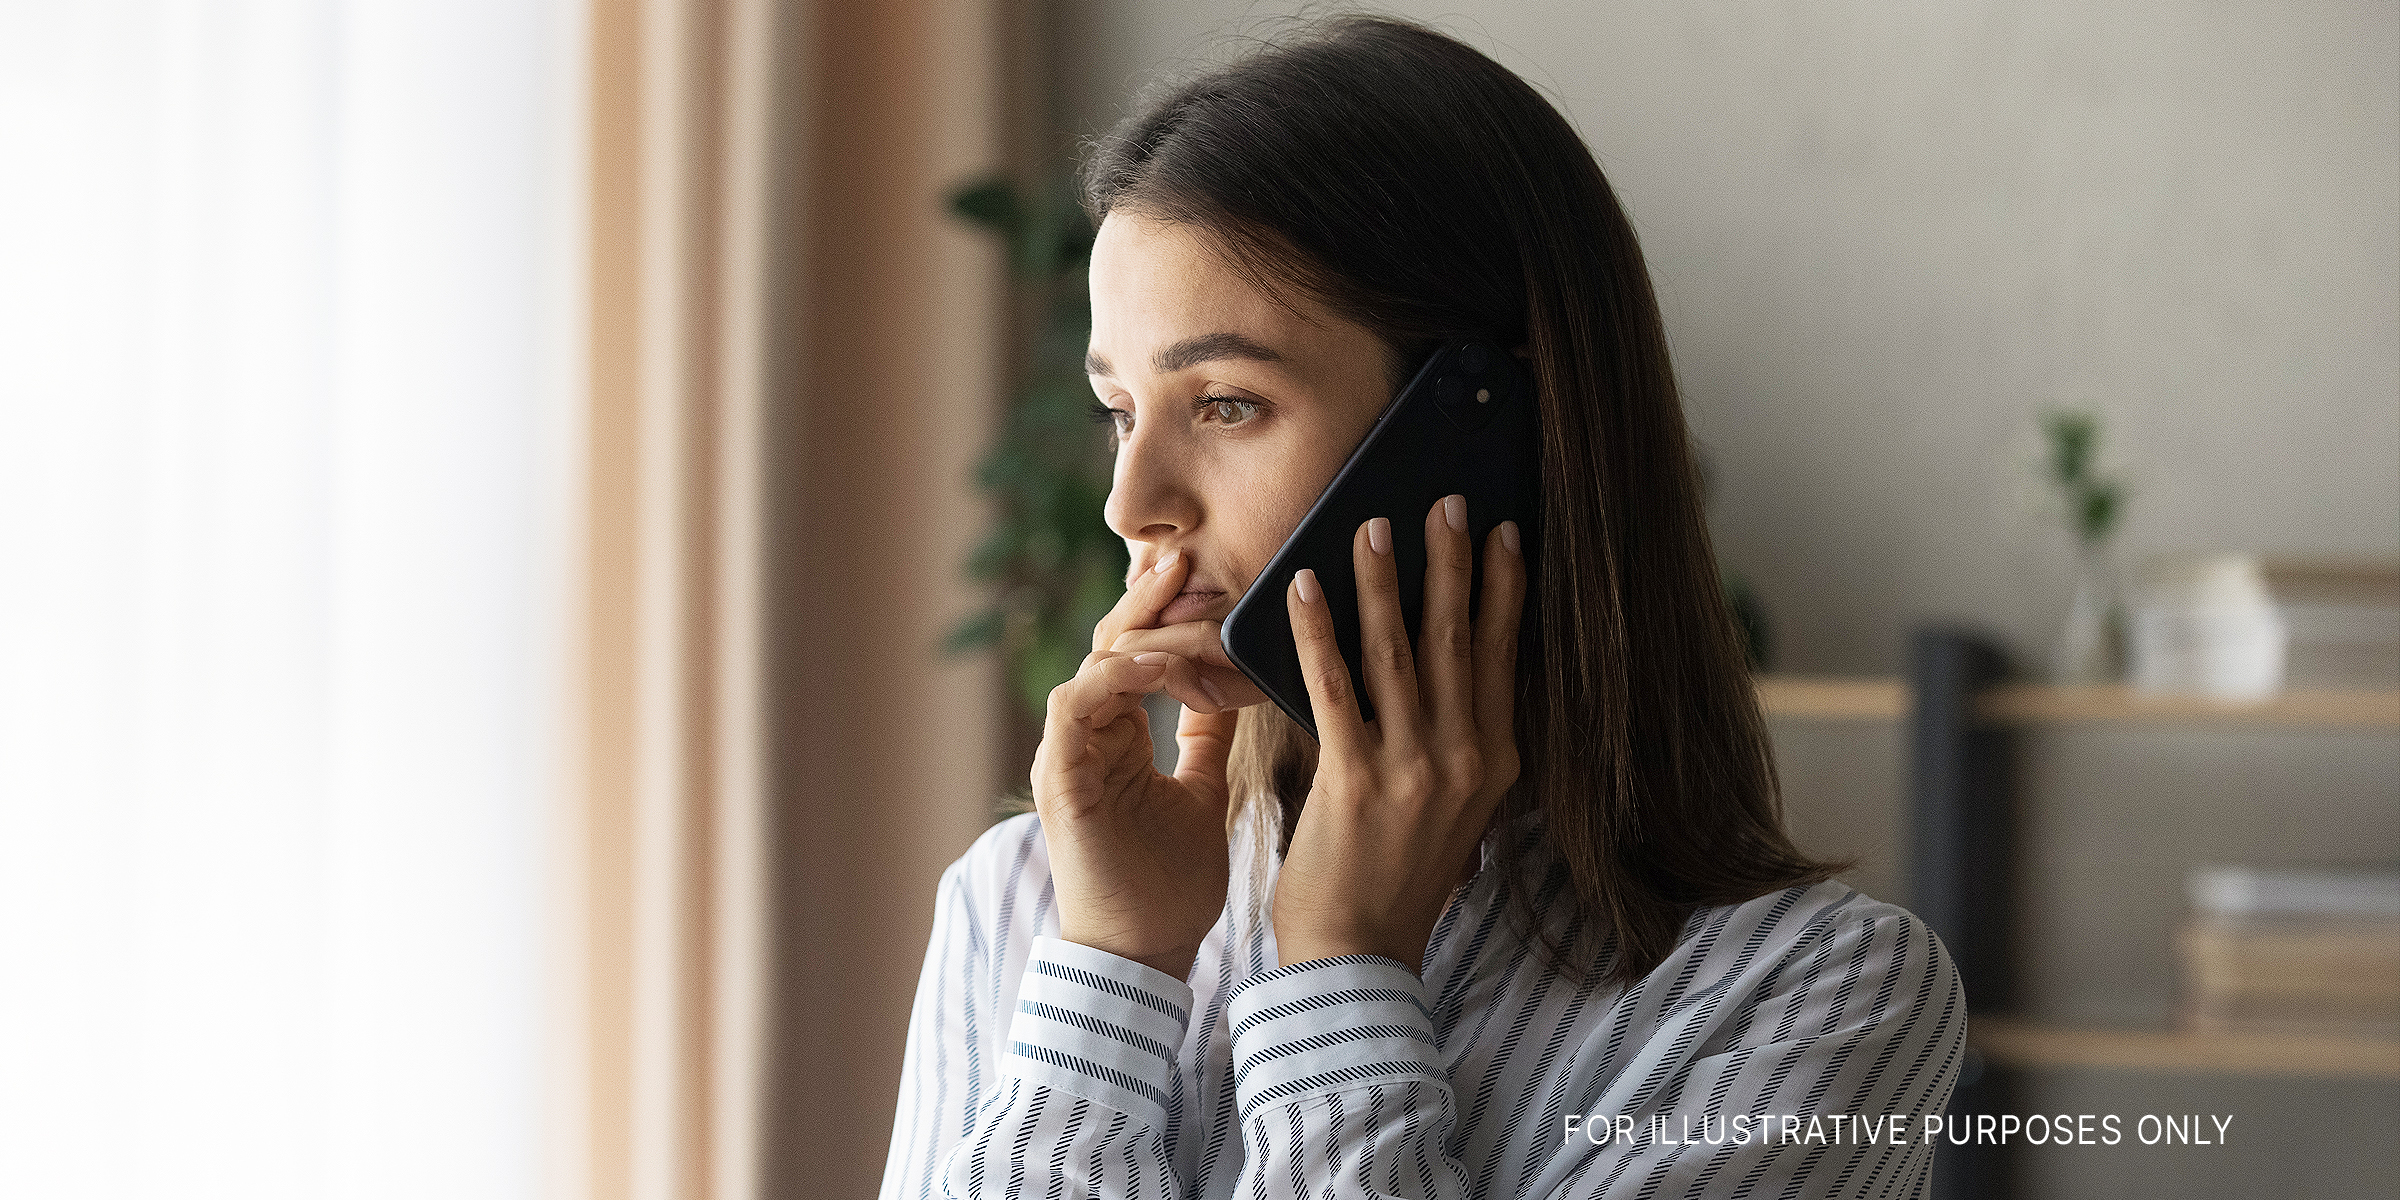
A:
1774, 1053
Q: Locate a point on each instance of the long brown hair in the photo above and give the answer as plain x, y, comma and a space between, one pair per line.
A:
1416, 187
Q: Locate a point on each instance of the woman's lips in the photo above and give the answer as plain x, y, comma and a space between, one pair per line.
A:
1191, 604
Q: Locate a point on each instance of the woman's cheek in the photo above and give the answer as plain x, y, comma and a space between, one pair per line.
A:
1267, 494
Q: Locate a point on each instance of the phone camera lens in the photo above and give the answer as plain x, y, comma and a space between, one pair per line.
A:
1474, 357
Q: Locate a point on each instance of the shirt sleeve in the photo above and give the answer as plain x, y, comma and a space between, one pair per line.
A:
1341, 1089
1082, 1105
1825, 1064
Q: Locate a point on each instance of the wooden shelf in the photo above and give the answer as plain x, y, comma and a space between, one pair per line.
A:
2018, 1043
1819, 698
2038, 703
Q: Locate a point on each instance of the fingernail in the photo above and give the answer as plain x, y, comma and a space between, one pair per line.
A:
1508, 537
1306, 581
1379, 536
1165, 561
1214, 696
1151, 659
1454, 510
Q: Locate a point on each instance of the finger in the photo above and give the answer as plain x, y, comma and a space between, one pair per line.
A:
1204, 742
1339, 730
1145, 596
1390, 663
1503, 608
1199, 641
1446, 647
1229, 688
1108, 687
1104, 691
1202, 640
1183, 680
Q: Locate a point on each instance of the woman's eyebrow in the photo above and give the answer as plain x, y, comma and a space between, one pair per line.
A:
1190, 352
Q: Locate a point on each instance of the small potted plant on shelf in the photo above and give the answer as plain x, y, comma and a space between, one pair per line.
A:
2091, 648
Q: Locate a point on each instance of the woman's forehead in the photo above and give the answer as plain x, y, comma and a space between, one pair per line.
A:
1155, 281
1164, 298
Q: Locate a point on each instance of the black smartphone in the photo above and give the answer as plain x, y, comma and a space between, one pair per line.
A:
1466, 425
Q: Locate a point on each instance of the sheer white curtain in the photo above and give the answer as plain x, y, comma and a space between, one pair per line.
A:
287, 332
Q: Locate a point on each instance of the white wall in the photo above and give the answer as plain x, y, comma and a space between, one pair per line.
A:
1887, 235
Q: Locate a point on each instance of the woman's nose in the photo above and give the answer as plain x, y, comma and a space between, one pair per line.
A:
1151, 497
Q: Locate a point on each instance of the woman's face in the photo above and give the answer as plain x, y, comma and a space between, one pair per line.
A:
1232, 411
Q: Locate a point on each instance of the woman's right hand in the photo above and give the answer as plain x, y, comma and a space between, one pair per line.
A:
1139, 858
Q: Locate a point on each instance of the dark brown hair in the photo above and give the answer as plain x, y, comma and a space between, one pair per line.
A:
1416, 187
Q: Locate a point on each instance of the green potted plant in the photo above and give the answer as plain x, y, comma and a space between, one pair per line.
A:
1052, 565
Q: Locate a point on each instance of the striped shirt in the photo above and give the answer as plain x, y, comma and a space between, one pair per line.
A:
1789, 1046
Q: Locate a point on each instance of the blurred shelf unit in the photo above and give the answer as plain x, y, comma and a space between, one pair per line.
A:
2015, 1042
1818, 698
1960, 724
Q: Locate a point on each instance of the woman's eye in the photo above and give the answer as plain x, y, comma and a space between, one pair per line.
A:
1119, 422
1229, 411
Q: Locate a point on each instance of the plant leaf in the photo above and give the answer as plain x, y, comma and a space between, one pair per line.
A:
977, 631
992, 204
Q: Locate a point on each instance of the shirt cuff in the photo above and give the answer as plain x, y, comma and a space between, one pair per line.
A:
1330, 1025
1098, 1026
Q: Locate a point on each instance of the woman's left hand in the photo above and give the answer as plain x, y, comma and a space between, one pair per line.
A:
1401, 802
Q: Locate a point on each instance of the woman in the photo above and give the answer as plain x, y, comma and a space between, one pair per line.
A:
1537, 929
